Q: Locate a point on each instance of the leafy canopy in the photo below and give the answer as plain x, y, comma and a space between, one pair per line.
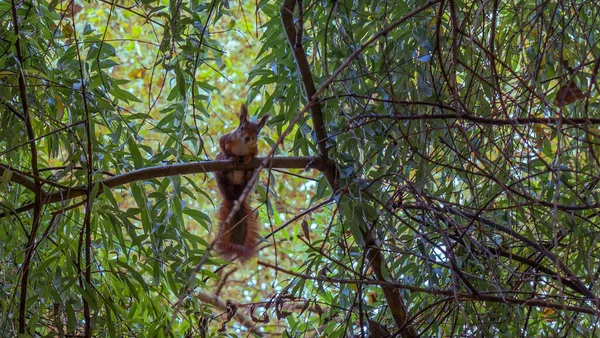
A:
462, 136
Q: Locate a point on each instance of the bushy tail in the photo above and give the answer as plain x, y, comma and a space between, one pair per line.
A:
239, 239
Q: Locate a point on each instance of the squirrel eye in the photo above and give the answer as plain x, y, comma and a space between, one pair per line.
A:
242, 127
247, 139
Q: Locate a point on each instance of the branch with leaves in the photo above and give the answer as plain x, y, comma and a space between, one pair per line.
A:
117, 180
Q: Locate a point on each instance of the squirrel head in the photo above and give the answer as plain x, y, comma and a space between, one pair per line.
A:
247, 131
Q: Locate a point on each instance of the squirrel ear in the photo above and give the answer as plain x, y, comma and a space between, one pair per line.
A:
263, 120
243, 113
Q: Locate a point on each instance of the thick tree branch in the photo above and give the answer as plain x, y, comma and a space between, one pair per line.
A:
392, 295
294, 37
302, 162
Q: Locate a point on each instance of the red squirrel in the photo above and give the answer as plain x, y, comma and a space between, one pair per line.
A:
239, 238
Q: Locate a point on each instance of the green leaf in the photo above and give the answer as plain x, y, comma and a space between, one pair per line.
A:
124, 95
199, 217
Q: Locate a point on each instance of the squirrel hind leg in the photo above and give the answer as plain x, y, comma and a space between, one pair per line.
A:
239, 239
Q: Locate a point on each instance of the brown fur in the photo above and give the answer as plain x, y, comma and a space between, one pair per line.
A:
239, 238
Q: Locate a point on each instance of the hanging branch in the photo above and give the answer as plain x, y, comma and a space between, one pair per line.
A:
37, 204
87, 331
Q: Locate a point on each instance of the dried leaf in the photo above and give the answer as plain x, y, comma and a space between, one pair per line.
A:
568, 94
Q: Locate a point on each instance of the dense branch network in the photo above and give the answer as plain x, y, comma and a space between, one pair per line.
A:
462, 156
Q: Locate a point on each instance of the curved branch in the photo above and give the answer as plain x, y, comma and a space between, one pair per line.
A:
217, 302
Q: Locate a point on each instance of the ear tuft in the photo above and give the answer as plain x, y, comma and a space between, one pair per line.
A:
263, 120
243, 113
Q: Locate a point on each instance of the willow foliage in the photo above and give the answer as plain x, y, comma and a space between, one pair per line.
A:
453, 148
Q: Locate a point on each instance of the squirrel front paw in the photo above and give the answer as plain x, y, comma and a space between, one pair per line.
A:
247, 159
235, 160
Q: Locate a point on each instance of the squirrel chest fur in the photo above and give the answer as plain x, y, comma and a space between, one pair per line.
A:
238, 238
